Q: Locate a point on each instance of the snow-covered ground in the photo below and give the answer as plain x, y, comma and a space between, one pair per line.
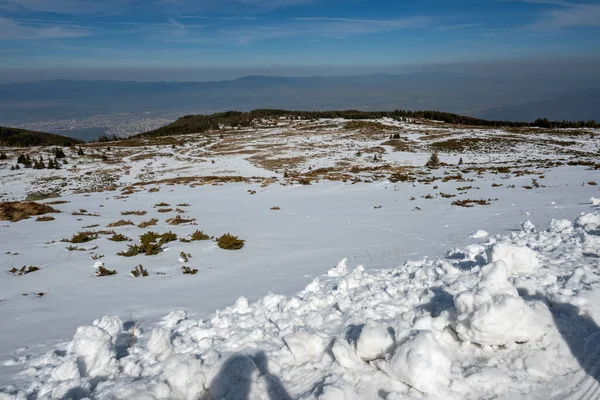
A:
431, 301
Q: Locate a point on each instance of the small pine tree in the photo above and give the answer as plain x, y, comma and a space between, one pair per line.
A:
434, 160
80, 151
21, 159
12, 167
460, 161
59, 153
3, 156
17, 167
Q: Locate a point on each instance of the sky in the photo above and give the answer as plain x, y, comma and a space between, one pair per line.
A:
313, 36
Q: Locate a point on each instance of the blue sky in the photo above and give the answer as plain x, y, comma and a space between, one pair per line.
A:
293, 33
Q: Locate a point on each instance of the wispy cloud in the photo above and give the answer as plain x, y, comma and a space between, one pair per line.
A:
565, 14
322, 27
14, 30
570, 16
67, 6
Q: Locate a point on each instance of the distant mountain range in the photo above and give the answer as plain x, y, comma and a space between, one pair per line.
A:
484, 97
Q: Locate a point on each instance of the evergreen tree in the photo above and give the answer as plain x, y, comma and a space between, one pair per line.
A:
59, 153
434, 160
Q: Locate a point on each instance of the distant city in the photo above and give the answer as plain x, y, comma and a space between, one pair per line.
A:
88, 128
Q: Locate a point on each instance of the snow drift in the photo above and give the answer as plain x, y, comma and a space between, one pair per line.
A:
501, 319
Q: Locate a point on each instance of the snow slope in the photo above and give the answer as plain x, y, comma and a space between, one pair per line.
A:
521, 327
511, 318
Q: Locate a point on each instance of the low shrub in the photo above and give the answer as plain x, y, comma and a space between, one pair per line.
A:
139, 272
24, 270
45, 218
82, 237
101, 271
230, 242
117, 237
189, 271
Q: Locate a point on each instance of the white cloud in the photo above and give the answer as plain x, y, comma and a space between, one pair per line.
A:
14, 30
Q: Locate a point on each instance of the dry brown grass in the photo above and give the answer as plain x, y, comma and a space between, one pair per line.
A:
178, 220
56, 202
275, 208
133, 212
45, 218
17, 211
472, 202
146, 224
120, 222
274, 164
164, 210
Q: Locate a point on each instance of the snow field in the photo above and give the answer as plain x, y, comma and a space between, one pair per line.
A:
508, 318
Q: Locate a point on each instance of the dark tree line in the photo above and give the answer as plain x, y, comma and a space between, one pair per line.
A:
231, 119
16, 137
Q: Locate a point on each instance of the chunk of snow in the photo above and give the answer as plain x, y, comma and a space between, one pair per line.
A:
159, 343
589, 221
527, 226
518, 259
184, 376
480, 234
95, 352
339, 270
374, 342
493, 313
420, 362
111, 324
306, 346
595, 202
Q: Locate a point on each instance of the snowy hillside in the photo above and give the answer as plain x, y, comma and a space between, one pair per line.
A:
443, 291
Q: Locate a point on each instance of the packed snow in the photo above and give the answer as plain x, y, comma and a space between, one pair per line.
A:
517, 324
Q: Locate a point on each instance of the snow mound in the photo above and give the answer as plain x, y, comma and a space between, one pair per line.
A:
500, 320
480, 234
421, 363
493, 313
518, 259
595, 202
